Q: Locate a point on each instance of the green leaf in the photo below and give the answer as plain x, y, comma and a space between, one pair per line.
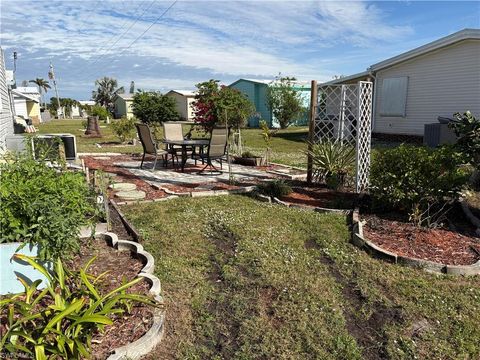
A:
74, 306
30, 260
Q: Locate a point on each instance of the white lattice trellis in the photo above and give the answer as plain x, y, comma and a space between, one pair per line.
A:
344, 114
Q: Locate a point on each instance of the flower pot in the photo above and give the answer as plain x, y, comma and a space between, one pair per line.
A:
11, 269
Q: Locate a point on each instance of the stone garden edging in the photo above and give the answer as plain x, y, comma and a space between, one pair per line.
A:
307, 207
145, 344
359, 240
470, 216
206, 193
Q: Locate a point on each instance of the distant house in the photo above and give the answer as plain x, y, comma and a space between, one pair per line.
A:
184, 99
6, 114
77, 109
256, 91
414, 88
123, 106
26, 102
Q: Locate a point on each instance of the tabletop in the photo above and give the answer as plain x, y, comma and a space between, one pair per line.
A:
187, 142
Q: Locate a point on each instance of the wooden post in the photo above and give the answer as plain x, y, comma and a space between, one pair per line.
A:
311, 128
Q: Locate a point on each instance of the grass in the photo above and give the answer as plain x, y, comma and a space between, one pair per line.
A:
288, 145
240, 283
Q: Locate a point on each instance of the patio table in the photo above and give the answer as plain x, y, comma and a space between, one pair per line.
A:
193, 143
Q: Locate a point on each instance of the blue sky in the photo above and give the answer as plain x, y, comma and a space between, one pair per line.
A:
225, 40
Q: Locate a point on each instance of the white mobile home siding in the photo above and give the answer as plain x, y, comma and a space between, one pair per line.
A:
6, 118
440, 83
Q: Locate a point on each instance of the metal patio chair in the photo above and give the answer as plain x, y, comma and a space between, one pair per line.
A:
149, 145
215, 151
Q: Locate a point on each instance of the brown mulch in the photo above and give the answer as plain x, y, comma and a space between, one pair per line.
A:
320, 196
438, 245
122, 267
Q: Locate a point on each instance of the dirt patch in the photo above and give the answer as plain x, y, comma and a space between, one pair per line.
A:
458, 247
368, 332
117, 225
320, 196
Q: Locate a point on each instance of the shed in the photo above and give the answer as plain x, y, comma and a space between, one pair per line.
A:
414, 88
123, 106
27, 104
256, 92
184, 100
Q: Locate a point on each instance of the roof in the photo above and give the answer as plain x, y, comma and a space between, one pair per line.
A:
343, 79
87, 102
257, 81
186, 93
465, 34
17, 93
126, 96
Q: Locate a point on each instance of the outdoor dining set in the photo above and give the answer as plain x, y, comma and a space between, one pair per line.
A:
175, 144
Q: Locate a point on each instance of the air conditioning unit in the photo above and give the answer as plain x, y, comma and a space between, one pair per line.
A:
437, 134
47, 142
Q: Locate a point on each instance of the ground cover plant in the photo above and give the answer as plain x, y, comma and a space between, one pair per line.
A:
249, 280
60, 320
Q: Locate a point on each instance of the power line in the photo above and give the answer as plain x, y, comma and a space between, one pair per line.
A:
104, 52
156, 20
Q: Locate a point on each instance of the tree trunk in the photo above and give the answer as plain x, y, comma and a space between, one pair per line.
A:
93, 129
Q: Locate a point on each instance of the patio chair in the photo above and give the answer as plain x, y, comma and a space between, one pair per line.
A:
149, 145
174, 131
216, 150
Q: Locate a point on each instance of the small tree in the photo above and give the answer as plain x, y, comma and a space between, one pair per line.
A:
221, 105
284, 101
154, 107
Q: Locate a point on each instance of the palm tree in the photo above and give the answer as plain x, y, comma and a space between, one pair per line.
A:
106, 92
43, 85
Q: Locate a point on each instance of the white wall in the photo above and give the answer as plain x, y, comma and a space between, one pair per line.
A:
6, 118
20, 107
440, 83
184, 105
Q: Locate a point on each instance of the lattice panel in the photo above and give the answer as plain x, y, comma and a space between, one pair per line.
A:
364, 135
344, 114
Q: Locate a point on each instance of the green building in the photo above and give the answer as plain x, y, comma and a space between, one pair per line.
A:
256, 90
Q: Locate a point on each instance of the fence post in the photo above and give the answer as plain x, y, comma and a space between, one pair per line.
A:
311, 128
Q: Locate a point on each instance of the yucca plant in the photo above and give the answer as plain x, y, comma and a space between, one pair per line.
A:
60, 320
332, 161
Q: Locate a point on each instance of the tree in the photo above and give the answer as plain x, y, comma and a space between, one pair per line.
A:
43, 85
107, 90
213, 103
154, 107
284, 101
220, 105
65, 103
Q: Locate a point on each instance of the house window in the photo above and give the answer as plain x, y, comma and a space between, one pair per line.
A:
394, 97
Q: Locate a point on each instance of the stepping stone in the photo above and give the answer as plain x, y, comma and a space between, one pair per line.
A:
123, 186
131, 195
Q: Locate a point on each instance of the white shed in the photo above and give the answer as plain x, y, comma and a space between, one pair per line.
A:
414, 88
184, 99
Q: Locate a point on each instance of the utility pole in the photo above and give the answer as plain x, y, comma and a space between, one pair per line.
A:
51, 76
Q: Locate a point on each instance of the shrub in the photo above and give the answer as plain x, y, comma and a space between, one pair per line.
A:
467, 128
42, 205
414, 179
248, 154
275, 188
100, 111
332, 161
59, 321
154, 107
124, 128
284, 101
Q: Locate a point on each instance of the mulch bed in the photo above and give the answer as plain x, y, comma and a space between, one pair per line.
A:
122, 267
320, 196
441, 245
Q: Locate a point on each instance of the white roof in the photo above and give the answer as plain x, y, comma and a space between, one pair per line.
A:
347, 78
126, 96
87, 102
464, 34
187, 93
19, 94
28, 90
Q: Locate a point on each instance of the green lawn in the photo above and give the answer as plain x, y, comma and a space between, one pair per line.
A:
287, 145
240, 283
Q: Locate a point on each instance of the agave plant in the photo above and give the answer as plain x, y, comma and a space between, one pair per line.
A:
60, 320
332, 160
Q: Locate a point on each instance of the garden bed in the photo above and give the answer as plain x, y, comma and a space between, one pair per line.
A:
320, 196
122, 266
438, 245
